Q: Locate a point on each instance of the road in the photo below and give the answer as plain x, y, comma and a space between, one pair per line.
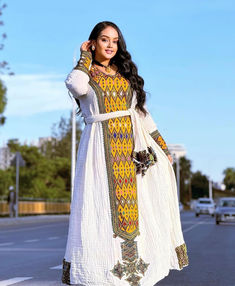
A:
31, 254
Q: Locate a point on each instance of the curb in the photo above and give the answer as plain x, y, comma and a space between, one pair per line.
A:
33, 219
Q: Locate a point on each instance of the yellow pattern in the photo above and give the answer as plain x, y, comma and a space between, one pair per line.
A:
120, 136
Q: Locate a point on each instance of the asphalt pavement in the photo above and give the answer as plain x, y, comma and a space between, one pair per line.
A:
32, 250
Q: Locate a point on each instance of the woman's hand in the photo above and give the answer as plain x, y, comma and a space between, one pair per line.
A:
170, 158
85, 46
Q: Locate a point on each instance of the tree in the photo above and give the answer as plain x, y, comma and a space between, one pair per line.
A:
48, 167
229, 179
3, 65
60, 144
200, 185
185, 177
41, 177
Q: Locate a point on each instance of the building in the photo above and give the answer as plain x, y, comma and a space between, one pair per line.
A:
5, 157
177, 150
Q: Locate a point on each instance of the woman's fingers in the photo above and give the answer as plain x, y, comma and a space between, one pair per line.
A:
85, 45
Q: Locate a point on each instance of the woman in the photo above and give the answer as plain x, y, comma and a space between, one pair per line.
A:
124, 224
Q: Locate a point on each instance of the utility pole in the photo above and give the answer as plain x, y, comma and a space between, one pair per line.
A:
177, 151
73, 143
210, 189
178, 176
19, 161
73, 147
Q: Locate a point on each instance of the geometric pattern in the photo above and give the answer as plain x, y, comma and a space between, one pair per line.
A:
160, 141
114, 93
132, 266
182, 256
119, 143
66, 272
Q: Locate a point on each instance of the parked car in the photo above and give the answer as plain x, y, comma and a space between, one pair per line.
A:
225, 210
181, 207
205, 206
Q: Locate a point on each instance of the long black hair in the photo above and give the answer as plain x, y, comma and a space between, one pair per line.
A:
122, 59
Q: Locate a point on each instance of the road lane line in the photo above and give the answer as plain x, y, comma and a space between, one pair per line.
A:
6, 243
30, 249
57, 267
53, 237
31, 240
195, 225
13, 280
32, 228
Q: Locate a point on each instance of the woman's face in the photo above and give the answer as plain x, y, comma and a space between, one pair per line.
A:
106, 45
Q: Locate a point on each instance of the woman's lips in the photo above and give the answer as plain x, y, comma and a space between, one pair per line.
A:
108, 51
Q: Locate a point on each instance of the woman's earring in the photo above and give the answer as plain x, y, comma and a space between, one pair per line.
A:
93, 47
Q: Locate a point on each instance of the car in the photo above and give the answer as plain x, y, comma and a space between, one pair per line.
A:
225, 210
205, 206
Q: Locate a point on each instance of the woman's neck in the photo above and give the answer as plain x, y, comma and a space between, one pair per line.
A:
103, 61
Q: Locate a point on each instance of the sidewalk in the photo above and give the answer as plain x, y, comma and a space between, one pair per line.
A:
33, 219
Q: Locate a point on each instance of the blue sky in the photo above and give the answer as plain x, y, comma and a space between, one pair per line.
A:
184, 50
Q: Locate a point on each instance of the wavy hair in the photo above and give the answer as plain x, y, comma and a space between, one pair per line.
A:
126, 67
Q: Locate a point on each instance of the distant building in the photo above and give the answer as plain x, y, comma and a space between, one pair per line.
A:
177, 150
5, 157
42, 140
219, 185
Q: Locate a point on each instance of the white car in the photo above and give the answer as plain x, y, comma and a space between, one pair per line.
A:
205, 206
181, 207
225, 211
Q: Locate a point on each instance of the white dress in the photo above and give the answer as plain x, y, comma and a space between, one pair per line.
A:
124, 226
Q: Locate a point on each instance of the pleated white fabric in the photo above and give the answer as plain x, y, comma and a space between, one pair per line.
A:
91, 248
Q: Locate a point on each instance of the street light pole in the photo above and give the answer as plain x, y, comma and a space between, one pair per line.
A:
17, 182
178, 176
73, 139
210, 188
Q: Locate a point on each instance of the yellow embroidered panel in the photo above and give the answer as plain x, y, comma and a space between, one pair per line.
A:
118, 138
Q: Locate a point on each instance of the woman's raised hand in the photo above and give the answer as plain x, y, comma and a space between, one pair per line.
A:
170, 159
85, 46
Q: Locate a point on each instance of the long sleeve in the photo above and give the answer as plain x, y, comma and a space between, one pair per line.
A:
151, 126
77, 80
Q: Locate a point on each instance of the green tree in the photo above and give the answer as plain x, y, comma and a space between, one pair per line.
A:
60, 144
185, 177
48, 169
3, 102
200, 185
3, 65
229, 179
42, 177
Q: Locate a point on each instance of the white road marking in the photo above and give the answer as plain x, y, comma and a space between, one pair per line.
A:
6, 243
30, 249
195, 225
53, 237
13, 280
31, 240
57, 267
32, 228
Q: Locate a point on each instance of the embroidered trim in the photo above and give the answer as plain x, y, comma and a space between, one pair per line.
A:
144, 160
66, 272
182, 256
114, 93
118, 145
132, 266
84, 62
160, 141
